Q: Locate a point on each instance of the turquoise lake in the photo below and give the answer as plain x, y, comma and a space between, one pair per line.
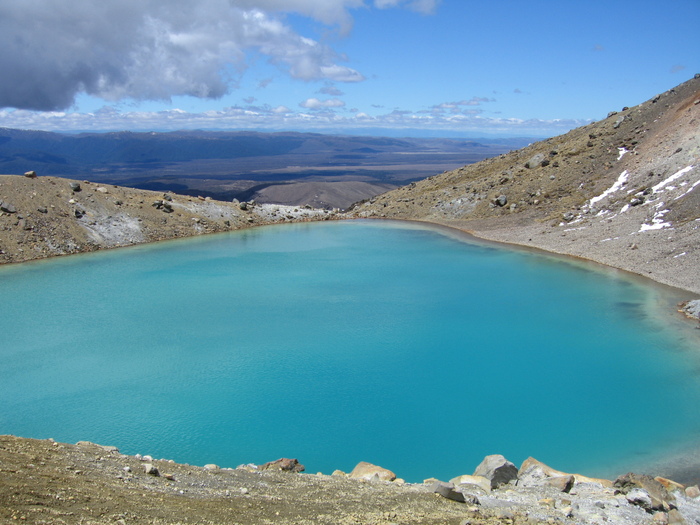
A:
403, 345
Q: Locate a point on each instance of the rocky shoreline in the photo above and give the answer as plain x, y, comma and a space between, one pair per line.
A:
43, 481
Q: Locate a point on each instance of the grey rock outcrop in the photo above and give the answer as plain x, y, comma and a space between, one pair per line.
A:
497, 469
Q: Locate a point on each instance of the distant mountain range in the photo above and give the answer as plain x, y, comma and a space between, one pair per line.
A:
226, 165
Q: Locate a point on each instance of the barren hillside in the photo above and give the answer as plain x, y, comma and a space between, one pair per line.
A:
622, 191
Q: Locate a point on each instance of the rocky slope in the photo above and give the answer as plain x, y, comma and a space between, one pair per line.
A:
624, 191
47, 216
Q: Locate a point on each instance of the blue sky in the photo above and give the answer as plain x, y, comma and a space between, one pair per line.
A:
383, 67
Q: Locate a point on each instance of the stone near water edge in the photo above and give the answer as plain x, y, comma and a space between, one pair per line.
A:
284, 465
75, 186
30, 174
497, 469
691, 309
367, 471
670, 485
659, 497
692, 491
212, 467
473, 481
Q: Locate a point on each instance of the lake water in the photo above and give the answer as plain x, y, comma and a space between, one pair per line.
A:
340, 342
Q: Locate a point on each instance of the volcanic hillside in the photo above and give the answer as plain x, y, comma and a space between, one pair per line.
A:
622, 191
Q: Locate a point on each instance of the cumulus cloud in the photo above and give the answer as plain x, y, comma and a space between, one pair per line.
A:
154, 49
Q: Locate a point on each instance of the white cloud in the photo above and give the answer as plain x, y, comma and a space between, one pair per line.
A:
319, 116
314, 103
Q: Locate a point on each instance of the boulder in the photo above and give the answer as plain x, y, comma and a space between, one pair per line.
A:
475, 481
283, 464
534, 473
369, 472
30, 174
535, 161
497, 469
501, 200
659, 497
75, 186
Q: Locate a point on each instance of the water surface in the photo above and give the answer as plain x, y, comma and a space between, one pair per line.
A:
342, 342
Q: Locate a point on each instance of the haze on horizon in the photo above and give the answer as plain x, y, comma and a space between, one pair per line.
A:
382, 67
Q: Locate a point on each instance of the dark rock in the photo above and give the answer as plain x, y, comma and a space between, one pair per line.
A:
75, 186
636, 201
497, 469
568, 216
42, 209
284, 465
612, 113
243, 206
501, 200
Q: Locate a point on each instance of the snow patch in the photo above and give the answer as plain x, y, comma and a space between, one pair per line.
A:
621, 181
657, 222
670, 179
622, 152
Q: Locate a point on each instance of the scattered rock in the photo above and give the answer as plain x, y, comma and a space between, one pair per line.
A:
75, 186
283, 464
691, 309
692, 491
632, 485
151, 469
535, 161
447, 490
211, 466
30, 174
367, 471
7, 207
501, 200
497, 469
475, 481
